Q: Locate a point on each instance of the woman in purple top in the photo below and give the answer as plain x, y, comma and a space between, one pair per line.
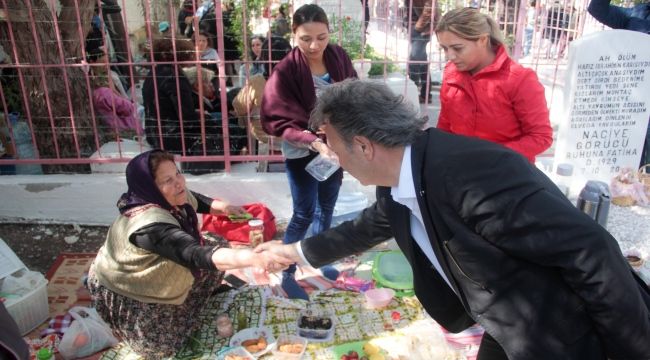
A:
289, 97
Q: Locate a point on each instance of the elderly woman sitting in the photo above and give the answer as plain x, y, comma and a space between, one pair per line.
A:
155, 272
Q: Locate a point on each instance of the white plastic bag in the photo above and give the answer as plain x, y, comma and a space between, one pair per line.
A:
86, 335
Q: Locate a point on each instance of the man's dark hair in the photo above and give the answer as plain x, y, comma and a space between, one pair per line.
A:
367, 108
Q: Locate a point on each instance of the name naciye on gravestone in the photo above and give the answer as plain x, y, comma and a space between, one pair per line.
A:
606, 104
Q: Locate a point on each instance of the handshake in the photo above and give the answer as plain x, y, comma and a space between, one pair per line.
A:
274, 256
271, 256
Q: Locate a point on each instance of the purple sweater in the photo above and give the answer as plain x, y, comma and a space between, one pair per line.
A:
289, 95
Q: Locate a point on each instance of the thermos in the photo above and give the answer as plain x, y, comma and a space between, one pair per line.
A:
594, 201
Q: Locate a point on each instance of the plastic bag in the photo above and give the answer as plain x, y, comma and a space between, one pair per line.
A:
86, 335
626, 186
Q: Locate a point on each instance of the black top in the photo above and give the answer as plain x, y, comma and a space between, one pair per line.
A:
171, 242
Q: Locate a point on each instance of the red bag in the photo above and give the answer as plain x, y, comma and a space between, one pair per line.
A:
237, 231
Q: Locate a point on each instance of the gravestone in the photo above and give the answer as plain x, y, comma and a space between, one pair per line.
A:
606, 105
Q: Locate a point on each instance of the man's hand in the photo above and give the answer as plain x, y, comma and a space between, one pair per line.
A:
276, 247
271, 262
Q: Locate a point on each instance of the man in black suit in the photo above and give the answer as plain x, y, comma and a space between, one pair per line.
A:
490, 239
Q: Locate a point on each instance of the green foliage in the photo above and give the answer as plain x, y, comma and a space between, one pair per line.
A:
253, 8
349, 34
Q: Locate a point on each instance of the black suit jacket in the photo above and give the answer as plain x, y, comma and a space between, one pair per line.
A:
541, 277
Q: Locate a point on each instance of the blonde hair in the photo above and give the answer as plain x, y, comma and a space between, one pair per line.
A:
471, 24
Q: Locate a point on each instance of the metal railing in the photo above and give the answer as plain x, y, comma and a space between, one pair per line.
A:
51, 115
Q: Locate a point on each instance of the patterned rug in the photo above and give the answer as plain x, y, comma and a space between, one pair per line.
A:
65, 288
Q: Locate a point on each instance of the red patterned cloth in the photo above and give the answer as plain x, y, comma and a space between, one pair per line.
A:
58, 325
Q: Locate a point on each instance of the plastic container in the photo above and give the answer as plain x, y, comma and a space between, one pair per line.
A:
24, 146
111, 150
391, 269
315, 326
289, 347
256, 232
242, 338
321, 168
29, 309
234, 352
379, 297
563, 175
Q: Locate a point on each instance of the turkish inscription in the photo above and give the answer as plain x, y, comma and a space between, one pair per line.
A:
608, 111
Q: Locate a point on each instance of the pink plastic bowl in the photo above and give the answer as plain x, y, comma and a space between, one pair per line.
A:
380, 297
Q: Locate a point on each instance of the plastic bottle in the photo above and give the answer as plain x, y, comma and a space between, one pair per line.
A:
44, 354
24, 146
242, 319
563, 178
256, 232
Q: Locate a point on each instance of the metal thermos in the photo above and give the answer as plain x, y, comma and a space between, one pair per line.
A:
594, 201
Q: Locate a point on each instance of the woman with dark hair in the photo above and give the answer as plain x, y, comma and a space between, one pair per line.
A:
155, 271
289, 97
252, 61
484, 92
203, 43
169, 108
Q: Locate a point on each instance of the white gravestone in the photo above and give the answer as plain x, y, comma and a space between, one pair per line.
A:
606, 105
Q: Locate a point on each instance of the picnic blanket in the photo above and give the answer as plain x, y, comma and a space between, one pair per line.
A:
265, 304
262, 308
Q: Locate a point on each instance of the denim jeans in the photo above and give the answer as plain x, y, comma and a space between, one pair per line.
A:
313, 200
419, 73
528, 39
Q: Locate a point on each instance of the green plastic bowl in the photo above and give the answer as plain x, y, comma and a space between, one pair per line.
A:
391, 270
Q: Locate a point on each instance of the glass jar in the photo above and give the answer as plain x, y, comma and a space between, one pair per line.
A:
256, 232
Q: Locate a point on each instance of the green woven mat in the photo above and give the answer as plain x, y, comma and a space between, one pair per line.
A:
352, 320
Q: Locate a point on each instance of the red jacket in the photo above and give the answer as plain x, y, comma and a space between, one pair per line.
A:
504, 103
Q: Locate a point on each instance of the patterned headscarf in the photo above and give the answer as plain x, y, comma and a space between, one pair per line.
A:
144, 191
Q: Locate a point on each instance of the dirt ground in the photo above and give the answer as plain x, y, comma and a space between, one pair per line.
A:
38, 245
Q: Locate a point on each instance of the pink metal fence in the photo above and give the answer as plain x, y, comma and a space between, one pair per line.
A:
47, 79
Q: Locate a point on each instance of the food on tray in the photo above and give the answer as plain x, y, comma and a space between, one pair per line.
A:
255, 345
291, 348
315, 322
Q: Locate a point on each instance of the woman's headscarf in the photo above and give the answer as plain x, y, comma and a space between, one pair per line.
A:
144, 191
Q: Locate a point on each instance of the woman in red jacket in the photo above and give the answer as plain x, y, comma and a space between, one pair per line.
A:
486, 94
